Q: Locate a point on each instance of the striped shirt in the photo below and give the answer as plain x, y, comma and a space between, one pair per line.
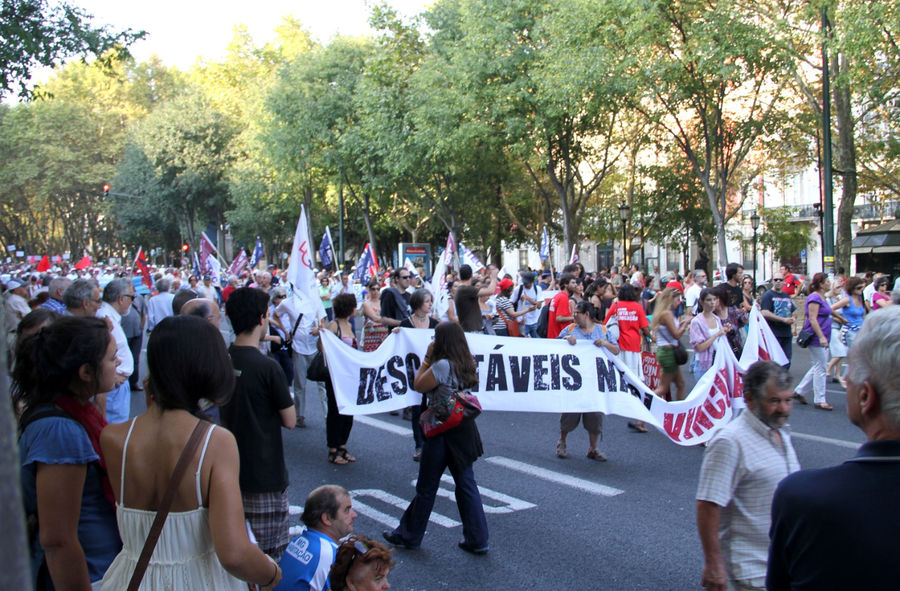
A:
741, 468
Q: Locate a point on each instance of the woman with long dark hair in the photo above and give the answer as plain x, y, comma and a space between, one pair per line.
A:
204, 542
338, 426
64, 479
448, 367
706, 327
420, 301
633, 326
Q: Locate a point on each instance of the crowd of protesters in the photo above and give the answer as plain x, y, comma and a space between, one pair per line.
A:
229, 358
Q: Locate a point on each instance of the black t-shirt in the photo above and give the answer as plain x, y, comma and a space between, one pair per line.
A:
253, 416
407, 322
735, 295
781, 305
394, 304
467, 310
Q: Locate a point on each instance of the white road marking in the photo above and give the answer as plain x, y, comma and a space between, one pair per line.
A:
551, 476
386, 497
510, 503
383, 425
820, 439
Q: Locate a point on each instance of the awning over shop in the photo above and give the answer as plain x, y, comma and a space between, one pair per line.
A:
884, 238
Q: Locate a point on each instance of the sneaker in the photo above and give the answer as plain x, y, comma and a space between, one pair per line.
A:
301, 422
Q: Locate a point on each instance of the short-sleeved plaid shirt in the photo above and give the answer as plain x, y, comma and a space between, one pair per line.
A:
741, 468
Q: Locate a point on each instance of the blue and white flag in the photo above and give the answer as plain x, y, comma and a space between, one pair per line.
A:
367, 266
326, 249
468, 258
257, 253
545, 245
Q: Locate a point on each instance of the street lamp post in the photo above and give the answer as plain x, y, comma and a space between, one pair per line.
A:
754, 223
624, 215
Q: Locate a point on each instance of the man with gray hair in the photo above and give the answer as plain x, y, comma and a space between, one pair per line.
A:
55, 290
160, 305
82, 298
117, 297
836, 528
742, 465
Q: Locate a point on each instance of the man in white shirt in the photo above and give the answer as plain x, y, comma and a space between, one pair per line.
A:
693, 292
160, 305
742, 465
117, 297
523, 297
304, 318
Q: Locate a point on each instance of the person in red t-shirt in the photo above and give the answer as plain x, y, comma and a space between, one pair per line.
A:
559, 316
632, 323
790, 282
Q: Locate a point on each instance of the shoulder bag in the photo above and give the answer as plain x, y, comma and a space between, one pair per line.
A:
680, 353
446, 413
512, 327
163, 511
805, 338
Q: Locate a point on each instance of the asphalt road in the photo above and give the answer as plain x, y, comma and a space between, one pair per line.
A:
627, 523
624, 524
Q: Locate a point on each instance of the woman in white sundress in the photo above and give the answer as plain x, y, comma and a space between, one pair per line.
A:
204, 543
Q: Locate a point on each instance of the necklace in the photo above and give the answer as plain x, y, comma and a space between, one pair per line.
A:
421, 319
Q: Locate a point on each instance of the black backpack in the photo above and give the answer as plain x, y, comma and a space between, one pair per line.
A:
543, 320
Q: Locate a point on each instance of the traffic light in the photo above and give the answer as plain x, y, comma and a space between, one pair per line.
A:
185, 247
106, 190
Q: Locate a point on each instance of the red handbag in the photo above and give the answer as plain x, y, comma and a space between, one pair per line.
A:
436, 420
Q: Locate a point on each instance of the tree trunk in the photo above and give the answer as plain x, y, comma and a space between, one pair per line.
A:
845, 153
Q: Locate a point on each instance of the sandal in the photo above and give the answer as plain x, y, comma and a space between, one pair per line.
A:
561, 449
638, 427
336, 458
345, 454
823, 406
593, 454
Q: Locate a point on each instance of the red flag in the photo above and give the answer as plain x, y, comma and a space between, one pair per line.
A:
84, 263
140, 263
44, 265
239, 263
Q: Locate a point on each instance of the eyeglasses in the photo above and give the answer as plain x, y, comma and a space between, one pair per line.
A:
128, 295
404, 277
777, 279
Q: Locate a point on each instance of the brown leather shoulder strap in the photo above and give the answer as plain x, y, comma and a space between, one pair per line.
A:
153, 536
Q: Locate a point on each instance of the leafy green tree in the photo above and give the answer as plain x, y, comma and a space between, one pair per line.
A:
189, 145
713, 76
37, 34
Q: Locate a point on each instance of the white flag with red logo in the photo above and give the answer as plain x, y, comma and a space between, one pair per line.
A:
300, 270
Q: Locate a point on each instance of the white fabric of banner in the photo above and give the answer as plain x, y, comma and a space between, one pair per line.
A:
525, 375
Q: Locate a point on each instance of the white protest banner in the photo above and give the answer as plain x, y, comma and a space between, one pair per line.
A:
761, 342
527, 376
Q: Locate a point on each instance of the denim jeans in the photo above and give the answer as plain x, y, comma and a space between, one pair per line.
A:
530, 330
415, 519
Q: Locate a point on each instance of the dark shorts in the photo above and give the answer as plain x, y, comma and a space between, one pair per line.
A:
592, 421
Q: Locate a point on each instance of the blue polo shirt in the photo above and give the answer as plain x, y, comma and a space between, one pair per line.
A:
306, 562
